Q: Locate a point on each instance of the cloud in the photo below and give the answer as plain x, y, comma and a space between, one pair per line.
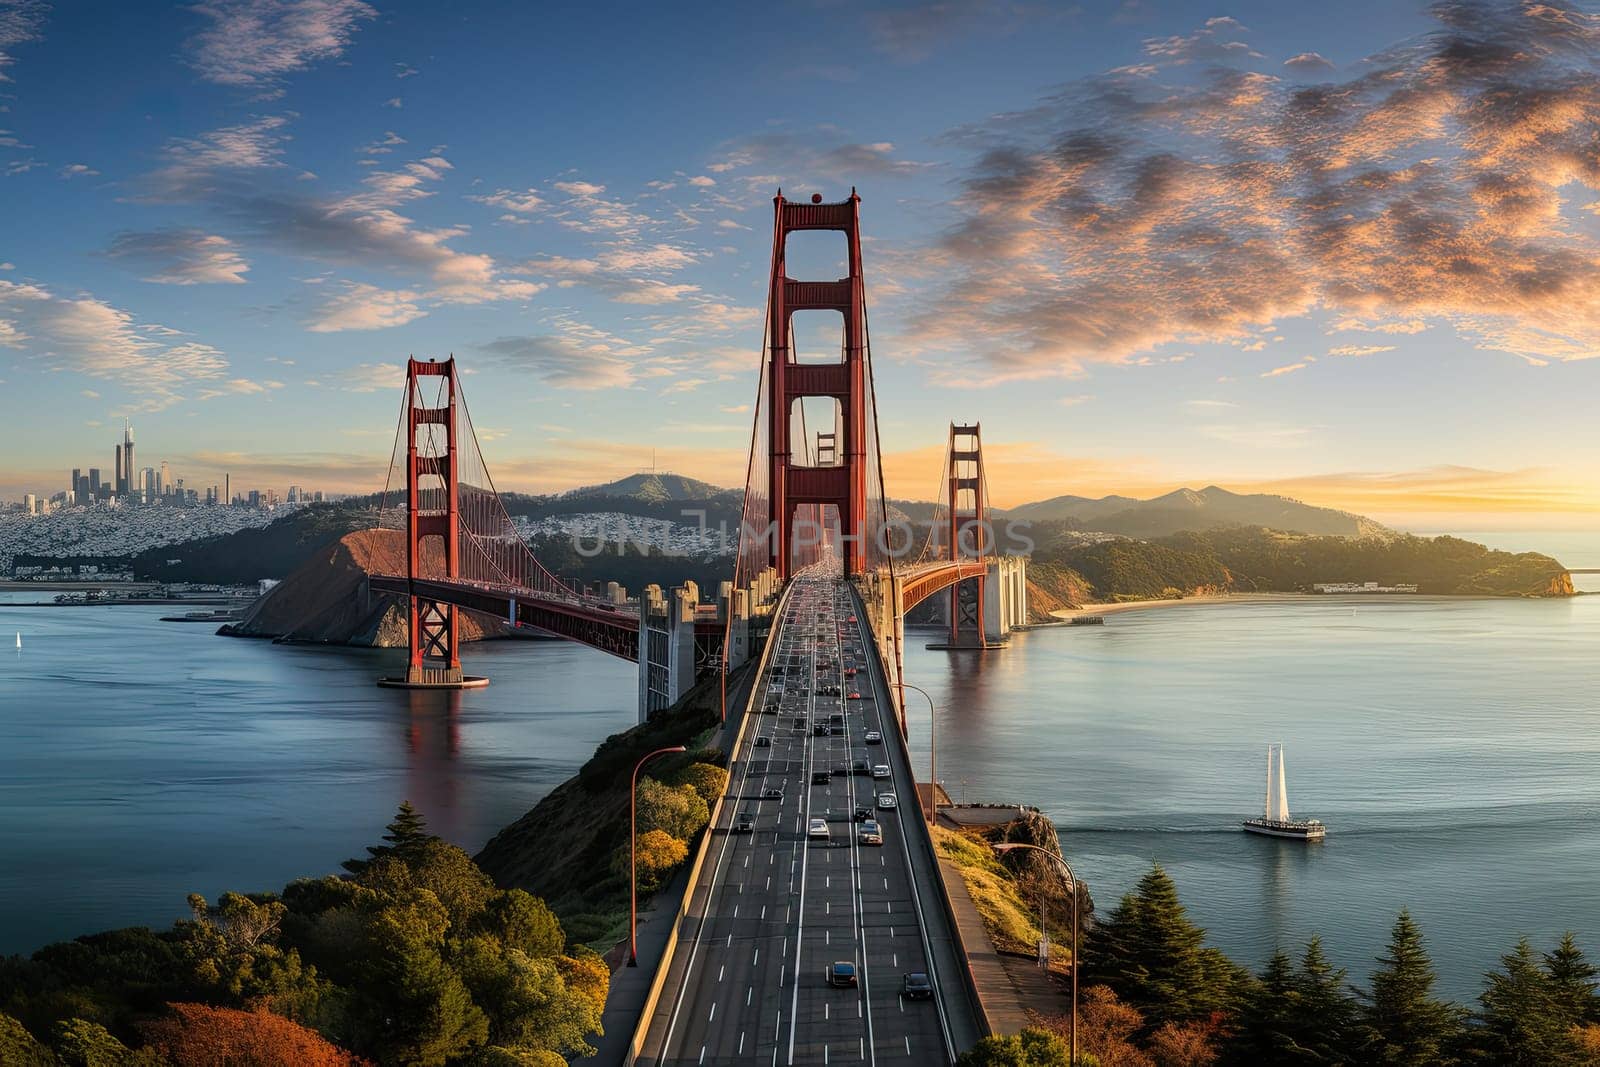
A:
621, 272
1290, 368
563, 361
180, 256
913, 30
1359, 350
20, 22
703, 181
365, 307
382, 377
1075, 399
790, 157
1440, 184
384, 145
254, 43
195, 165
1306, 62
89, 336
404, 70
525, 202
394, 102
1214, 42
77, 170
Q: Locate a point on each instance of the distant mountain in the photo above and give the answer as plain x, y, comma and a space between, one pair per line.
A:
653, 488
1188, 509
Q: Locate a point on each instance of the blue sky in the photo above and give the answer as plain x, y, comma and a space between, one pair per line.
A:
1339, 251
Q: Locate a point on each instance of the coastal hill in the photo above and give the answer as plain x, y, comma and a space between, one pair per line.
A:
326, 600
1189, 509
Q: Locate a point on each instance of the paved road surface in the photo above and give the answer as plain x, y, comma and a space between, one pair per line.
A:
785, 906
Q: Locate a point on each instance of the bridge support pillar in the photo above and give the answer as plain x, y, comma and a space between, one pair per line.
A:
432, 511
1006, 591
666, 647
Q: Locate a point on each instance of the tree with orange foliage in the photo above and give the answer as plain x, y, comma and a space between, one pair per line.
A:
1192, 1044
196, 1035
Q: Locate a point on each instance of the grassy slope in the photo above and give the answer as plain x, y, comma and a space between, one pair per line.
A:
562, 849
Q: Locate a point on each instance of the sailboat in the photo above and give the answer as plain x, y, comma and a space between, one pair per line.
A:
1275, 820
19, 638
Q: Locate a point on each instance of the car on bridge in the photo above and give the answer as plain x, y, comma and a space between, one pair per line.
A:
745, 824
763, 741
880, 770
842, 975
888, 801
854, 696
874, 737
870, 833
915, 986
817, 830
772, 792
861, 766
863, 814
821, 777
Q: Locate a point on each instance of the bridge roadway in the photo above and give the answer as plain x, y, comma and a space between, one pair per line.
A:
748, 983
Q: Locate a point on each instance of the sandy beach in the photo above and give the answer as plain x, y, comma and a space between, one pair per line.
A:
1066, 614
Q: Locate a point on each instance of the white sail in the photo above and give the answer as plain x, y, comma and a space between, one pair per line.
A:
1266, 803
1279, 801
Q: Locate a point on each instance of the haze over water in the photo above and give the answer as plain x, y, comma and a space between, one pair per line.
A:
1453, 746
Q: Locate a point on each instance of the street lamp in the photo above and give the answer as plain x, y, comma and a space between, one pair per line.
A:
1072, 1057
633, 853
932, 814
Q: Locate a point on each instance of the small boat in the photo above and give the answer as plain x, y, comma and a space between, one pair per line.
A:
19, 638
1275, 820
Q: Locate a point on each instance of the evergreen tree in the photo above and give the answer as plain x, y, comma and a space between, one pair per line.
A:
1263, 1035
1573, 980
1152, 956
1521, 1023
1404, 1025
406, 836
1324, 1013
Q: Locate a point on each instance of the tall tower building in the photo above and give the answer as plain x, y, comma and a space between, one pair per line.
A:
127, 460
72, 489
165, 484
120, 486
94, 483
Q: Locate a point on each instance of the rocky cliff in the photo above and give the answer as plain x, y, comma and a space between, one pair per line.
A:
326, 600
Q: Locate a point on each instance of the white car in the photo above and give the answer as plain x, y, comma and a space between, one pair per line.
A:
880, 771
886, 801
817, 829
874, 737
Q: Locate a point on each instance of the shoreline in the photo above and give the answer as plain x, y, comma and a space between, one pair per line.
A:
1066, 615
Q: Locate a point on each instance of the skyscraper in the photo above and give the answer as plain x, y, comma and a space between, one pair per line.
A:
94, 483
72, 487
164, 486
120, 486
127, 459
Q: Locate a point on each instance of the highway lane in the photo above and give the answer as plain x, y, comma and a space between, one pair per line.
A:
783, 907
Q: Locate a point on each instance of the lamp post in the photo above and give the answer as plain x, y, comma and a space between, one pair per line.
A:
932, 814
633, 853
1072, 1057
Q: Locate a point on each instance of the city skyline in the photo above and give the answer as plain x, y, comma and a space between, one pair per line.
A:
1274, 250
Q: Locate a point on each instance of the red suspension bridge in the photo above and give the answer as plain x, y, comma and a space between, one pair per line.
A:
812, 497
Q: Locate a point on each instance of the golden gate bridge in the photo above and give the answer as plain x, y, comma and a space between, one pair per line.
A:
809, 498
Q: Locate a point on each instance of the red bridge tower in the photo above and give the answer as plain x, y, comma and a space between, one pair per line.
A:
841, 483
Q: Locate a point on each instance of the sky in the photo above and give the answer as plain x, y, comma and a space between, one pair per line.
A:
1346, 252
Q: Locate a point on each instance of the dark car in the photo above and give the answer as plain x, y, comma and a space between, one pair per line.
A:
820, 729
863, 814
862, 766
763, 741
772, 792
842, 975
821, 777
746, 823
915, 986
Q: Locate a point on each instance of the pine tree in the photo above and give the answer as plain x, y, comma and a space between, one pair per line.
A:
1403, 1024
1324, 1012
1153, 957
1267, 1016
1573, 981
406, 837
1521, 1026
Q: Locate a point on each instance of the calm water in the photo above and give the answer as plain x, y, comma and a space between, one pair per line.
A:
141, 761
1452, 746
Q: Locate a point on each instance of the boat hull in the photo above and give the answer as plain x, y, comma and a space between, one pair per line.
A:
1306, 831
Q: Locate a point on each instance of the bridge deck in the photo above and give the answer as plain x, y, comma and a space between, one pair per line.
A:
775, 908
